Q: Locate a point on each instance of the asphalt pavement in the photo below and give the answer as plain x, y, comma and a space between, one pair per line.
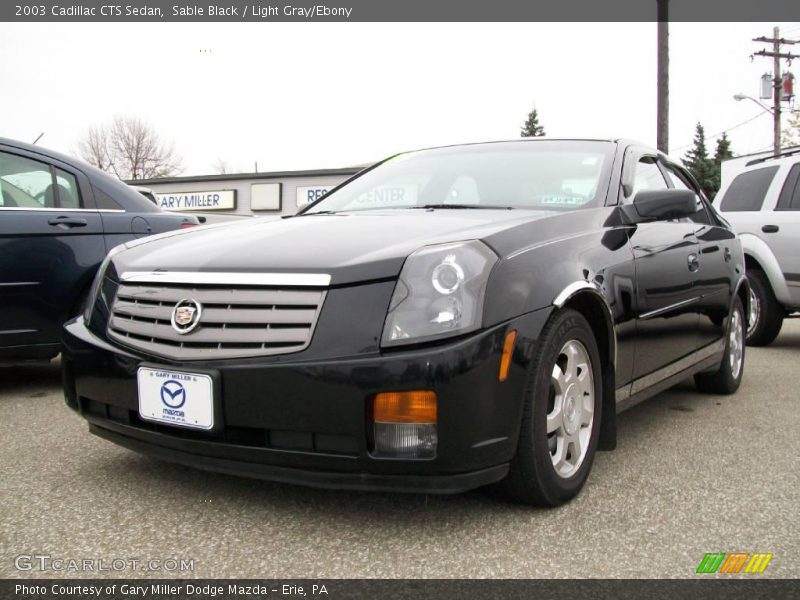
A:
692, 474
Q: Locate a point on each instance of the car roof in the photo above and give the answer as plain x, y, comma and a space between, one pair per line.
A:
785, 155
623, 142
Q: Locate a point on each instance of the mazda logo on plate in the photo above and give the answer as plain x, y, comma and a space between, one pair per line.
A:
186, 316
173, 394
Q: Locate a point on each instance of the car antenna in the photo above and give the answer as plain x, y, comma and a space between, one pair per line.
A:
37, 139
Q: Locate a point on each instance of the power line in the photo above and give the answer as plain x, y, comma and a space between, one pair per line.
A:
716, 135
777, 83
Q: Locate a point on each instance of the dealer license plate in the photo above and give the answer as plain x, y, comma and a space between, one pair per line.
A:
176, 398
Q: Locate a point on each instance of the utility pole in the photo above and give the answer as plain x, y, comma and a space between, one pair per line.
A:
776, 56
662, 102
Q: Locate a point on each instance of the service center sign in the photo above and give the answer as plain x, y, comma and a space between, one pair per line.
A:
312, 193
193, 201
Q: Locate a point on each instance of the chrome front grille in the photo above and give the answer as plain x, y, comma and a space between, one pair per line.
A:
239, 318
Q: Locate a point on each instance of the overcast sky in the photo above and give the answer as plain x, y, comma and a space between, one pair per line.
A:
297, 96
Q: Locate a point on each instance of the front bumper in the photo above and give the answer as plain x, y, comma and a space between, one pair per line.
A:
306, 421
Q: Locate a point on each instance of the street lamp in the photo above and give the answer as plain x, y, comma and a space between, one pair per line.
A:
740, 97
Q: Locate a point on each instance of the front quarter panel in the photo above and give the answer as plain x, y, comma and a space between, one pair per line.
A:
582, 249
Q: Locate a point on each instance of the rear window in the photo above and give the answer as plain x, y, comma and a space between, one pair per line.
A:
747, 190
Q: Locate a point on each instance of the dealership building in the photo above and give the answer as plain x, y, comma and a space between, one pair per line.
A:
273, 194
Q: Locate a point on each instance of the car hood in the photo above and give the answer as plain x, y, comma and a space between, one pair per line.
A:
350, 247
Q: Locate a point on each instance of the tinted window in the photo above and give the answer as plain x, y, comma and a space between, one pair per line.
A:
104, 201
544, 175
681, 182
677, 179
648, 177
790, 194
747, 190
67, 187
25, 183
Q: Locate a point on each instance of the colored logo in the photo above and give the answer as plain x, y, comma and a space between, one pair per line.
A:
734, 562
173, 394
186, 316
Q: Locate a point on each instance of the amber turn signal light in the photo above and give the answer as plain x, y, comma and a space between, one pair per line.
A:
508, 351
417, 406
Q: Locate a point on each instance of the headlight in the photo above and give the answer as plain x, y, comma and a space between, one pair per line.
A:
91, 299
439, 293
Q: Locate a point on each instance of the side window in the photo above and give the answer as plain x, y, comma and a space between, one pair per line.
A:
790, 193
25, 183
104, 201
676, 179
747, 190
680, 182
648, 177
68, 193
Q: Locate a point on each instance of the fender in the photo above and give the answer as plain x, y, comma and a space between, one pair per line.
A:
759, 250
743, 283
608, 422
579, 287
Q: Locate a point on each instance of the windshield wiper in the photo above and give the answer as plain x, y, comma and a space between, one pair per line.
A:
317, 212
468, 206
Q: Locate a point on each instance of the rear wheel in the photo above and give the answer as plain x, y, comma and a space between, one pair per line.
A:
561, 416
765, 315
728, 377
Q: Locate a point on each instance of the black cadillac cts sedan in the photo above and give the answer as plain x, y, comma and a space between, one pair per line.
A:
447, 319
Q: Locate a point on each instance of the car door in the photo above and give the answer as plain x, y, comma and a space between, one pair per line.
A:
716, 264
783, 236
665, 259
51, 241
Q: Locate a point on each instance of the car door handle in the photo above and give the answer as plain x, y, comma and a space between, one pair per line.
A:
694, 262
68, 222
770, 229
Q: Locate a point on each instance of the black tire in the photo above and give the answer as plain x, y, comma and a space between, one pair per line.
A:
724, 380
532, 477
769, 319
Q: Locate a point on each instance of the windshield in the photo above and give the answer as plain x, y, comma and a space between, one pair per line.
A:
539, 175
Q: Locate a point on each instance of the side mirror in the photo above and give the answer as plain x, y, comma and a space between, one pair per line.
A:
660, 205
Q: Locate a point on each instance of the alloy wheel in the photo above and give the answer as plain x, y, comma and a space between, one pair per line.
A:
736, 343
571, 408
753, 313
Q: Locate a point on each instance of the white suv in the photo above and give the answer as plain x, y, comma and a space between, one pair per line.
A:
763, 204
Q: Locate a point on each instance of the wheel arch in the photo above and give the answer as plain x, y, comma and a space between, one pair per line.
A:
758, 255
742, 292
589, 302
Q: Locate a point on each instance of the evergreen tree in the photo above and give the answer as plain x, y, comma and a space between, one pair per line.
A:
722, 153
531, 127
700, 165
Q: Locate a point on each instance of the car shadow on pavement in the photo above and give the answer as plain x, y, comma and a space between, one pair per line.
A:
787, 339
32, 379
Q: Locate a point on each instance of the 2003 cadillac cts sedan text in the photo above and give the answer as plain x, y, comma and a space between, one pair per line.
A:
447, 319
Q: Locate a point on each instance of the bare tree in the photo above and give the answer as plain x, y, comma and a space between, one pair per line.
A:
131, 149
221, 167
94, 148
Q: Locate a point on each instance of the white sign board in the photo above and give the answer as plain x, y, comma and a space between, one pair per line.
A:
265, 196
194, 201
312, 193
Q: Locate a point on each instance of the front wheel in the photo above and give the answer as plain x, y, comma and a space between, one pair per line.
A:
728, 377
561, 416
